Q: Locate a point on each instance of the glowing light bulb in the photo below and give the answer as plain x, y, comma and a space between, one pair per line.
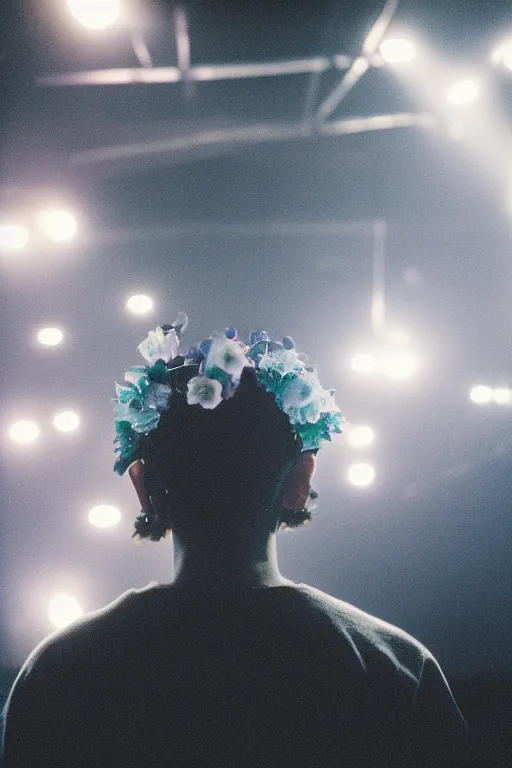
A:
361, 475
363, 362
50, 337
502, 395
463, 92
58, 225
360, 437
140, 304
481, 394
24, 432
63, 609
13, 237
104, 516
95, 14
398, 51
66, 421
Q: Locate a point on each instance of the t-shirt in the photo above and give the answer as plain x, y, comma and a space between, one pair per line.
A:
268, 676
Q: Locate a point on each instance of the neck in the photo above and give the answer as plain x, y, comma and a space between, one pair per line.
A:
226, 560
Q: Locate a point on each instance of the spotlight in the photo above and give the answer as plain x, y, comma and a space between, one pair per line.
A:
50, 337
13, 237
363, 362
104, 516
502, 54
66, 421
481, 394
397, 51
24, 432
398, 364
95, 14
140, 305
361, 474
360, 437
502, 395
58, 225
463, 92
63, 609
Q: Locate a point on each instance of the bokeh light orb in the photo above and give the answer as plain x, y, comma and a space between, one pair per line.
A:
363, 362
50, 337
361, 475
13, 237
360, 436
481, 394
66, 421
24, 431
57, 224
95, 14
507, 57
140, 304
64, 609
463, 92
502, 395
398, 364
104, 516
397, 51
502, 54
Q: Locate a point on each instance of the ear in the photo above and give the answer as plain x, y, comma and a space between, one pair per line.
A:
136, 472
298, 484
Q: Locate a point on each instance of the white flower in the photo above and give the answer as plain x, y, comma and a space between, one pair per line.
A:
299, 392
207, 392
227, 355
159, 346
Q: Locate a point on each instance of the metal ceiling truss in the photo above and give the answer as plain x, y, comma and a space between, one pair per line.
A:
312, 123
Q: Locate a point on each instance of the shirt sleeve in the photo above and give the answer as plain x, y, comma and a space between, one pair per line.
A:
437, 734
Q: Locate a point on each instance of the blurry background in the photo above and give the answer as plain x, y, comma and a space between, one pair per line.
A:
337, 172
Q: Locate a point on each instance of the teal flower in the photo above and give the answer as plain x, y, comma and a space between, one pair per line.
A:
128, 444
140, 401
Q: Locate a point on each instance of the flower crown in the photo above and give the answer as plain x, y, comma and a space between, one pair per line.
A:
209, 373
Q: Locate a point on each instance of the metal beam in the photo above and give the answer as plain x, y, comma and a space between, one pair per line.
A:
360, 65
251, 134
127, 76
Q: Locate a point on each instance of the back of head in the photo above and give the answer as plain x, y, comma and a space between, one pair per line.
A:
225, 462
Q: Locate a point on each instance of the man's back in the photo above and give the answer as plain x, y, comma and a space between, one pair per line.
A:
279, 676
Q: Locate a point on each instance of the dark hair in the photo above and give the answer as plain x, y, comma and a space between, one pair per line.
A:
218, 461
